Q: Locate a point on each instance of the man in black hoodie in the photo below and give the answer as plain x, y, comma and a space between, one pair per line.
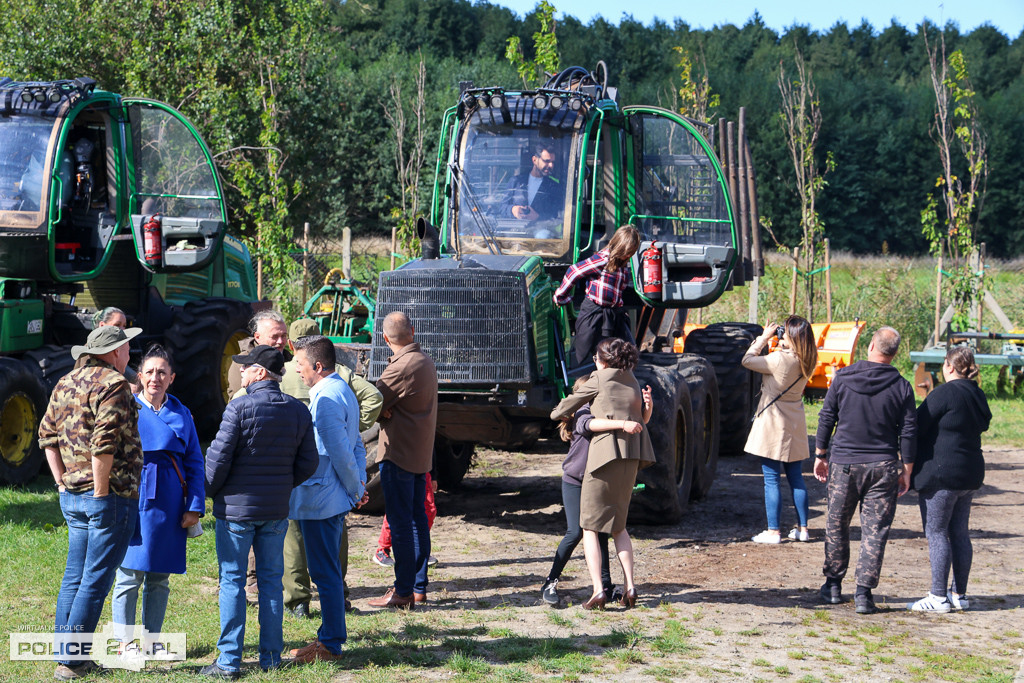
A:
870, 408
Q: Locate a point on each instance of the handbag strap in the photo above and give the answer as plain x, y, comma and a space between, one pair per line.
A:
177, 470
784, 391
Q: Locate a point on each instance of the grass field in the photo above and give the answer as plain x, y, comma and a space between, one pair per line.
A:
467, 644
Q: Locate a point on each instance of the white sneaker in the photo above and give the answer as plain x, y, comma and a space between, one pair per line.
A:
767, 536
957, 602
797, 535
129, 656
930, 603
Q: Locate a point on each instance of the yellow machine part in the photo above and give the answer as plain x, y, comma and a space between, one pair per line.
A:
836, 344
836, 341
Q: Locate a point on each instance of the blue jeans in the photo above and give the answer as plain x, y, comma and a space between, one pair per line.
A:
772, 470
234, 539
322, 538
126, 597
99, 530
404, 497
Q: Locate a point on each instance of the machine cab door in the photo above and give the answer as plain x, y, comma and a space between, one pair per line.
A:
679, 200
176, 205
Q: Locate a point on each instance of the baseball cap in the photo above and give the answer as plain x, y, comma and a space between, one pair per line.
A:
262, 355
303, 327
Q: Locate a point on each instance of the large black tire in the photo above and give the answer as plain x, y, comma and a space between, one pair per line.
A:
704, 400
202, 339
451, 461
375, 506
668, 482
22, 404
724, 344
50, 363
753, 328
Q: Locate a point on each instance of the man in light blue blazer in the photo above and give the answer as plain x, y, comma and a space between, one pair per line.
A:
339, 485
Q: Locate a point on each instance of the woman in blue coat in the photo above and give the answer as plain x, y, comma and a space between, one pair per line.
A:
171, 499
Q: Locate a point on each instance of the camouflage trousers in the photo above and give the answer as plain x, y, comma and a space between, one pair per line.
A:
874, 487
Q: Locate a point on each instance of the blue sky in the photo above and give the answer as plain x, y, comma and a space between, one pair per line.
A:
1006, 15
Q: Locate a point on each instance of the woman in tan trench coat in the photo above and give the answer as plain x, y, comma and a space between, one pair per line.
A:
613, 459
778, 435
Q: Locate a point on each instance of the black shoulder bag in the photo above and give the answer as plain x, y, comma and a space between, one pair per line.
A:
784, 391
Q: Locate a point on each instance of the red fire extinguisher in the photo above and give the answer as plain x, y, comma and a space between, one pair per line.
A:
151, 242
651, 260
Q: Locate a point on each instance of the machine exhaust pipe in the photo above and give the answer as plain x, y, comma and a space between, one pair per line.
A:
430, 243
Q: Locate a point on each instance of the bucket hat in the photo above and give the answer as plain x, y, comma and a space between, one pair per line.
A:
105, 339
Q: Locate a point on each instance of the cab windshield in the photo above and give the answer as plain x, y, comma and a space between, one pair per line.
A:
23, 146
515, 185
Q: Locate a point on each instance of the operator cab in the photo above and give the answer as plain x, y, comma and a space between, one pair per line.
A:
82, 170
513, 176
85, 194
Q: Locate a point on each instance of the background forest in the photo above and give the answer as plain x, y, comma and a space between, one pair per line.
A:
306, 102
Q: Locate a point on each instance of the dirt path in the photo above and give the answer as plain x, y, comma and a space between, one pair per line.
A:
714, 604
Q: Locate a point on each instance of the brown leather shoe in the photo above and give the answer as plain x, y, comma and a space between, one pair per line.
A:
314, 652
419, 597
596, 602
391, 599
628, 598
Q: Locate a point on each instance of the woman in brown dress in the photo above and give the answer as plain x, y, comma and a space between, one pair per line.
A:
613, 459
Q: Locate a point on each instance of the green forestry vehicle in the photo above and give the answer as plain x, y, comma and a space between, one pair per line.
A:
109, 201
481, 295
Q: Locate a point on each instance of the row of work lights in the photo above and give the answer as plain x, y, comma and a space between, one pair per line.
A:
496, 100
50, 94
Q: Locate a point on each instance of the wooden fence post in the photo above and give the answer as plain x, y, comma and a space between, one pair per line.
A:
756, 259
828, 282
978, 263
796, 274
346, 252
938, 295
741, 188
394, 245
305, 262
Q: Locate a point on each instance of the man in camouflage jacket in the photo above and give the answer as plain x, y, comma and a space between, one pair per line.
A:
91, 439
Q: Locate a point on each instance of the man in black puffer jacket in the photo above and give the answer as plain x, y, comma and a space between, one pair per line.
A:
870, 408
265, 447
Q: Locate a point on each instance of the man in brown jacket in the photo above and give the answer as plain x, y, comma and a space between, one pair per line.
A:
408, 418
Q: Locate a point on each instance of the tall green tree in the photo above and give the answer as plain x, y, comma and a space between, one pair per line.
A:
961, 183
545, 47
801, 120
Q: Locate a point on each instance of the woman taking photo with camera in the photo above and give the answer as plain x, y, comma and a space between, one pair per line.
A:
778, 435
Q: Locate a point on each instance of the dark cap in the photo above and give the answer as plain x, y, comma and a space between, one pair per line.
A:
265, 356
303, 327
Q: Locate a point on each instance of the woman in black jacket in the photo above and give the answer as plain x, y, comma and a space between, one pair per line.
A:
948, 470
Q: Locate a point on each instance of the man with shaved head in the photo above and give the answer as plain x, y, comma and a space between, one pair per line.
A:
865, 447
408, 418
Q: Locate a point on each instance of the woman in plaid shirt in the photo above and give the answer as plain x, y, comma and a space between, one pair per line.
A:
607, 274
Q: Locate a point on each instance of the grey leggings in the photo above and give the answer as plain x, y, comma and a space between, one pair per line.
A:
945, 516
